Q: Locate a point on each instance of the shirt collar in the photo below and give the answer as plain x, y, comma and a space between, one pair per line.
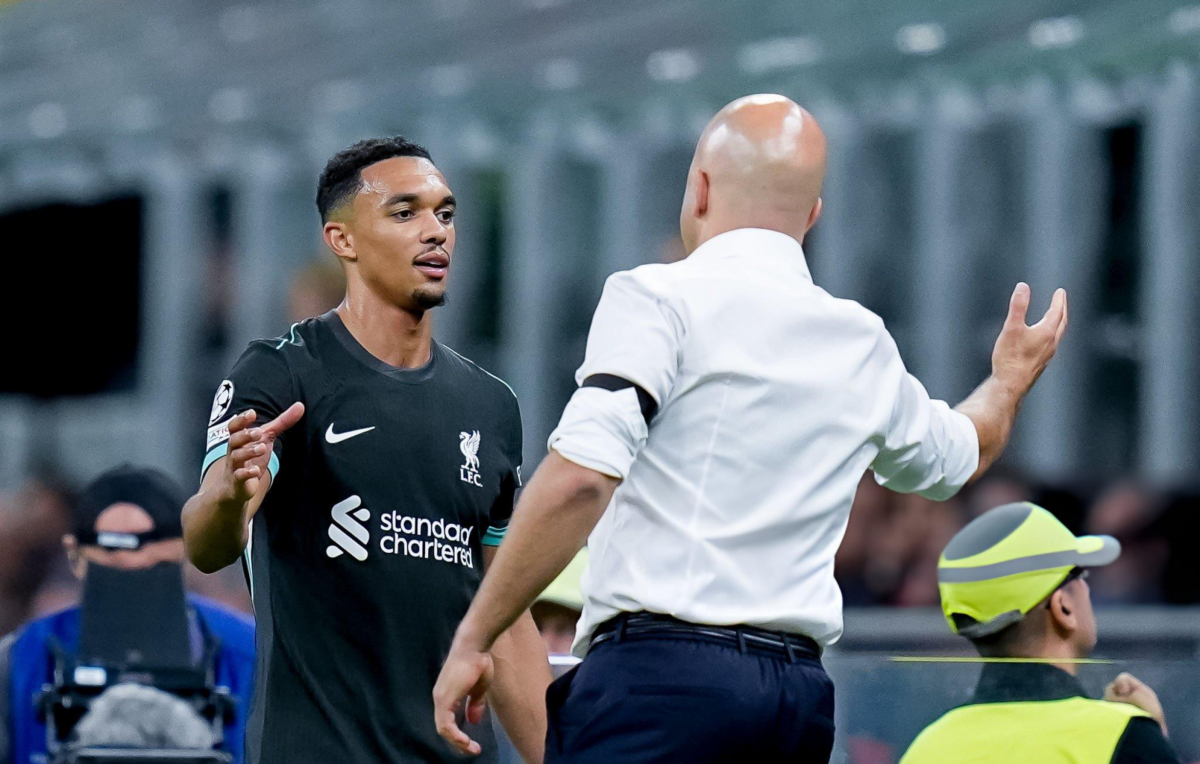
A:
760, 243
1025, 682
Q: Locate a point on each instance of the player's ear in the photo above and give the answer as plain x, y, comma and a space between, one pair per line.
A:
338, 239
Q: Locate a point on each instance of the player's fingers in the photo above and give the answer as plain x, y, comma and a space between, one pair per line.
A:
240, 456
242, 421
242, 437
285, 420
1018, 305
247, 473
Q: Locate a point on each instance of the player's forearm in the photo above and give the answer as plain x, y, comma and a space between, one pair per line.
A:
518, 693
993, 410
558, 509
215, 530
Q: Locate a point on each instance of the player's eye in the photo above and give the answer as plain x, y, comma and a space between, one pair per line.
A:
446, 216
403, 214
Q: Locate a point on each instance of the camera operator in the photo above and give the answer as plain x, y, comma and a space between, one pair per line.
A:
128, 519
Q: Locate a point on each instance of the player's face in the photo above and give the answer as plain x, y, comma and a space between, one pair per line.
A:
401, 228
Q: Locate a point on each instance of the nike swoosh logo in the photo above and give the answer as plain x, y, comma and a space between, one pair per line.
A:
338, 437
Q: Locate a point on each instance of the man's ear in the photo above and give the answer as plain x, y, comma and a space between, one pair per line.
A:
1063, 612
701, 208
814, 215
338, 239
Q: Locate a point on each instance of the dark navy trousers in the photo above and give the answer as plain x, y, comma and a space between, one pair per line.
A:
682, 699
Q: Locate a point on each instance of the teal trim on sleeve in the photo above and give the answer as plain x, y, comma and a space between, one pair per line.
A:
494, 536
212, 456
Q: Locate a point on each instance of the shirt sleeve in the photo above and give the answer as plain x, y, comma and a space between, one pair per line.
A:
1143, 742
634, 346
260, 380
925, 447
510, 482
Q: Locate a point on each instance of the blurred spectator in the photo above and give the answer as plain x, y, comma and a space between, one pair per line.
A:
995, 489
127, 518
32, 524
1129, 513
867, 517
316, 289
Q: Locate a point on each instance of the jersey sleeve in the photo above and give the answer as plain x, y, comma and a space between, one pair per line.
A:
926, 447
628, 371
510, 481
260, 380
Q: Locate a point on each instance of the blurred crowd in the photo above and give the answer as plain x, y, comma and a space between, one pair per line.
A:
888, 557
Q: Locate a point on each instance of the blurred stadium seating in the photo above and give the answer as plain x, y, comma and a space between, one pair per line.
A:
973, 144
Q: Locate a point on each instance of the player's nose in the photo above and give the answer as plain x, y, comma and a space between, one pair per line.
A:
435, 234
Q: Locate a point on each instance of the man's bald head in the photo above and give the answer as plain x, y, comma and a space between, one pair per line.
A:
759, 164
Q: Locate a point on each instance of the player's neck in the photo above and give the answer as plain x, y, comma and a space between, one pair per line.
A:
395, 336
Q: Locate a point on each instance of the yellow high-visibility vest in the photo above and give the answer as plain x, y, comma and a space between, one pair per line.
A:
1069, 731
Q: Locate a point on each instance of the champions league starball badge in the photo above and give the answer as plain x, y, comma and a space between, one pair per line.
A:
221, 402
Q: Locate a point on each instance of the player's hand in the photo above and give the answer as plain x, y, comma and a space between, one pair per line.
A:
1022, 352
1127, 688
465, 675
250, 451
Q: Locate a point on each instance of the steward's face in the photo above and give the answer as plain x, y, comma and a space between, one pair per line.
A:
400, 227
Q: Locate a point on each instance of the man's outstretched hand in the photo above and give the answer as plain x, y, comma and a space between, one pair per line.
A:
250, 451
1022, 352
466, 675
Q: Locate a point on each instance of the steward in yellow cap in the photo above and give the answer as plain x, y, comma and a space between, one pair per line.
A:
1012, 581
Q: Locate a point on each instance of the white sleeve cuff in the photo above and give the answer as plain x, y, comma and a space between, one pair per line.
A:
942, 463
602, 430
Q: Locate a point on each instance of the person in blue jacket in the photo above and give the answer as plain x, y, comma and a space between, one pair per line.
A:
128, 518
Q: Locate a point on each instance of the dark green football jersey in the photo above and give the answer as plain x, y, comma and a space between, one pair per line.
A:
367, 549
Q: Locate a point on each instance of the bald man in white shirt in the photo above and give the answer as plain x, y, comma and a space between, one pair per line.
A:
727, 408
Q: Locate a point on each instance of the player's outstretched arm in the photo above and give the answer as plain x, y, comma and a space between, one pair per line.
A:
216, 519
1020, 356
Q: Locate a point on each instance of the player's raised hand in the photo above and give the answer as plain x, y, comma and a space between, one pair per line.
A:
250, 450
1022, 352
465, 676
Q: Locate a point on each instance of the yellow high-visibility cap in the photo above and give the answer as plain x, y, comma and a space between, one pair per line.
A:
1003, 563
566, 590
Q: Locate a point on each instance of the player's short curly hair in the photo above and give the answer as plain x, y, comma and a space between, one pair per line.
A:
342, 175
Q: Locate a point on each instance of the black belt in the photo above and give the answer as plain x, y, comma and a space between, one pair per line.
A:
643, 625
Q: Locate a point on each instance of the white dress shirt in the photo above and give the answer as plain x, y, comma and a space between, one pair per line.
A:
773, 399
